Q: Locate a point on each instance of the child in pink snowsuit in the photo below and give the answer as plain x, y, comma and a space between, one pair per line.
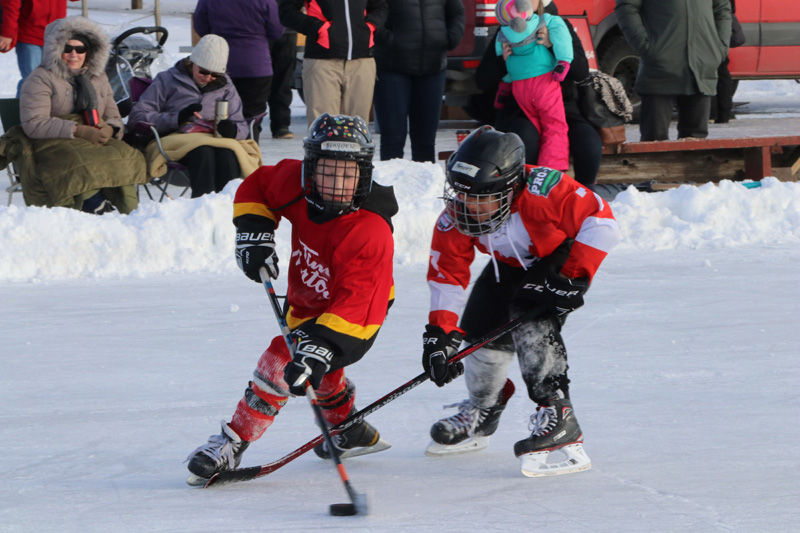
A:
535, 73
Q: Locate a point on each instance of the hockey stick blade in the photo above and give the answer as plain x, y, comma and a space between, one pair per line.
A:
253, 472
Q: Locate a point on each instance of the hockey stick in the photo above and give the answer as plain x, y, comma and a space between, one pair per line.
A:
358, 502
253, 472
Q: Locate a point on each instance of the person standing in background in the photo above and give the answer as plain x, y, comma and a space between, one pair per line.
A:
284, 56
722, 105
678, 67
23, 24
338, 67
411, 58
247, 26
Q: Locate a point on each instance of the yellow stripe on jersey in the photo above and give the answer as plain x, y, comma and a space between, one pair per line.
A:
253, 208
340, 325
294, 322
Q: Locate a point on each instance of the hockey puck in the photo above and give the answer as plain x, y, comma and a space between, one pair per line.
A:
343, 509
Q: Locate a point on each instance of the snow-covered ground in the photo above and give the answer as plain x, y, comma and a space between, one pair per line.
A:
126, 339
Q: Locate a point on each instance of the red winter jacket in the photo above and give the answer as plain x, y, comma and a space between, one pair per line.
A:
25, 20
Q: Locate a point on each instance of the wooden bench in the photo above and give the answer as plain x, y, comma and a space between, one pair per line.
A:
698, 160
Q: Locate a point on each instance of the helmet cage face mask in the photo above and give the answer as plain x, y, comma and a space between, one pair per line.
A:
482, 177
478, 214
337, 167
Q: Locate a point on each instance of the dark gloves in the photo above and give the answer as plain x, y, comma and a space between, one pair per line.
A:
92, 134
437, 348
227, 129
560, 72
503, 95
312, 359
187, 112
255, 248
559, 294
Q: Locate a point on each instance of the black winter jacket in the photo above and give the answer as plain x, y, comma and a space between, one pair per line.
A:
418, 34
334, 29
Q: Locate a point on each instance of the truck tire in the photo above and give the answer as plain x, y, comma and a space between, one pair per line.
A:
616, 58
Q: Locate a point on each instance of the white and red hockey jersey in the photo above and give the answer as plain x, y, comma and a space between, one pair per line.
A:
551, 208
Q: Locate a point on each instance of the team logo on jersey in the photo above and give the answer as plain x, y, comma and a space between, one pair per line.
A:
541, 180
313, 274
445, 223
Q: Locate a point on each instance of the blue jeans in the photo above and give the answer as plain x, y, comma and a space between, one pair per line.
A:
29, 56
408, 104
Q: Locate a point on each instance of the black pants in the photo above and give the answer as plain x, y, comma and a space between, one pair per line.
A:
210, 169
254, 93
585, 145
284, 54
722, 104
693, 113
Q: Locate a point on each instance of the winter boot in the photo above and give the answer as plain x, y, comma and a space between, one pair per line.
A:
470, 428
221, 452
556, 442
359, 439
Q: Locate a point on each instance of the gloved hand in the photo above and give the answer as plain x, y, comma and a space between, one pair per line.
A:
91, 134
106, 132
560, 72
187, 112
559, 294
312, 359
503, 95
227, 128
255, 248
437, 348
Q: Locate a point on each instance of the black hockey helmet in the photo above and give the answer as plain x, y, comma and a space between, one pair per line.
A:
337, 145
482, 176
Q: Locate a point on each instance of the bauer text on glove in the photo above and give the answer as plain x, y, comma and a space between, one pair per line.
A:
312, 359
255, 248
559, 294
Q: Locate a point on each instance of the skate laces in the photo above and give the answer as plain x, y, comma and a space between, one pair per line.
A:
467, 417
543, 421
219, 448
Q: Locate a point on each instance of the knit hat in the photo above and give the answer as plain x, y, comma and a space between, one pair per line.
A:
211, 53
514, 13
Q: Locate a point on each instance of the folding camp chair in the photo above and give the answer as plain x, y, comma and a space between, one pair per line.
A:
177, 174
9, 115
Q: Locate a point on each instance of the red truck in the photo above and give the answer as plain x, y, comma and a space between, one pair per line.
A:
772, 50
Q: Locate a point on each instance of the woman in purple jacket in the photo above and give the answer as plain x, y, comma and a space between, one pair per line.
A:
248, 26
181, 98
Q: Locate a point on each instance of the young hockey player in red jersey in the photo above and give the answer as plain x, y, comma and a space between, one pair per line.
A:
546, 235
339, 287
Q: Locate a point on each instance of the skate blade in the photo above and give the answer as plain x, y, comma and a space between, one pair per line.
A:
473, 444
196, 481
536, 464
364, 450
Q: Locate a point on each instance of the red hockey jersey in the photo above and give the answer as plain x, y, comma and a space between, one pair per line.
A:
340, 272
551, 208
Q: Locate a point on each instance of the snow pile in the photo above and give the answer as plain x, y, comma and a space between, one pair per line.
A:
190, 236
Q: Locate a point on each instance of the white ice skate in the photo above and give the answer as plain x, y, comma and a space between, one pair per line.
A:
564, 460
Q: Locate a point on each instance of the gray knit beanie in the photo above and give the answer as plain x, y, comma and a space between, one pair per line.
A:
211, 53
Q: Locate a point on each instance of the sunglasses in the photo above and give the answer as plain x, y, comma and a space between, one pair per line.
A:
80, 49
204, 72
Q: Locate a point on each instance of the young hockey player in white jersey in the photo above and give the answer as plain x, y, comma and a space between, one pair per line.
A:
546, 235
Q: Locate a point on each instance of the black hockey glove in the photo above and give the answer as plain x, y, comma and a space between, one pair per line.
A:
255, 248
559, 294
312, 359
437, 348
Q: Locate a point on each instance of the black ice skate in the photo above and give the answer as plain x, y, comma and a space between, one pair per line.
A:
469, 429
360, 439
221, 452
556, 442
